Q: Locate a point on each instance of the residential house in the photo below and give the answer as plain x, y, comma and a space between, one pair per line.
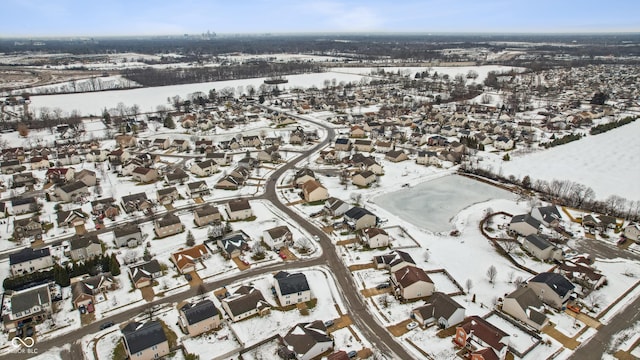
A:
482, 339
412, 283
251, 141
87, 176
29, 260
119, 156
3, 209
167, 195
85, 291
185, 260
125, 141
85, 247
632, 232
39, 163
71, 191
178, 176
222, 159
180, 144
60, 175
359, 218
144, 174
106, 207
554, 289
232, 245
363, 145
277, 237
29, 306
71, 218
302, 176
393, 261
363, 178
524, 225
238, 209
204, 168
374, 237
503, 143
440, 309
541, 248
198, 189
269, 154
524, 305
161, 143
168, 225
297, 136
23, 179
579, 270
246, 301
427, 158
206, 215
97, 155
383, 146
308, 340
291, 288
136, 202
198, 318
145, 341
357, 132
335, 207
342, 144
142, 275
547, 215
24, 205
127, 235
27, 227
10, 166
396, 156
313, 191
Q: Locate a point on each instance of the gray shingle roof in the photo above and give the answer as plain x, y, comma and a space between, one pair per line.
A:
28, 254
29, 298
291, 283
556, 282
538, 241
198, 312
139, 337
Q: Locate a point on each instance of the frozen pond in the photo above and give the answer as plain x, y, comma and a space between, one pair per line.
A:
432, 204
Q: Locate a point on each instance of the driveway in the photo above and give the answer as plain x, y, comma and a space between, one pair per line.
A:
147, 293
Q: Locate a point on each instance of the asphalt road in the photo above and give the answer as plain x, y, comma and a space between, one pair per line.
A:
600, 342
371, 329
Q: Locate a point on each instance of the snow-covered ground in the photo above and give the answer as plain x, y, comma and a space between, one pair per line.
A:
604, 162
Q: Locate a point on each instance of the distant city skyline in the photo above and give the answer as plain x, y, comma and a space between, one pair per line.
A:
44, 18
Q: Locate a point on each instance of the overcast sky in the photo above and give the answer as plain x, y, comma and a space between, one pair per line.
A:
160, 17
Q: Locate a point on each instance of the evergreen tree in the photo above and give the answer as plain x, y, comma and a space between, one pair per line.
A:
191, 240
169, 123
114, 265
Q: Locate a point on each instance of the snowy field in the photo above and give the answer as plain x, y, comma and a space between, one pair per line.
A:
606, 162
440, 199
451, 71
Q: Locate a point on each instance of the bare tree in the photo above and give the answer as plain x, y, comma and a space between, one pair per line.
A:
468, 285
518, 281
492, 272
510, 276
594, 299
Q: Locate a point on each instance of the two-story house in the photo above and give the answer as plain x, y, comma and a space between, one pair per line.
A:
29, 260
291, 288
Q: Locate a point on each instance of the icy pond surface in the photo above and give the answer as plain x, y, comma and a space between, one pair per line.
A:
433, 204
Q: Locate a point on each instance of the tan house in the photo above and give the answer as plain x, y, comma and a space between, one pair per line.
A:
204, 168
238, 209
363, 178
412, 283
144, 174
554, 289
167, 225
277, 237
84, 292
524, 305
145, 341
396, 156
39, 163
314, 191
363, 145
199, 318
222, 159
374, 237
245, 302
359, 218
167, 195
85, 247
302, 176
125, 141
143, 275
198, 189
206, 214
541, 248
161, 143
71, 191
185, 260
29, 260
357, 131
88, 177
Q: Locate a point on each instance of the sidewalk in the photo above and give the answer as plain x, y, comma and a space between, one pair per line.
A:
566, 341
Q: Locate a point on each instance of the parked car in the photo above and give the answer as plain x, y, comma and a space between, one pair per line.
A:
351, 354
383, 285
328, 323
106, 325
29, 331
412, 325
188, 277
316, 238
283, 256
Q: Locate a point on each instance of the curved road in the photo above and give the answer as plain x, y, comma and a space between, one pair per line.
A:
366, 323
